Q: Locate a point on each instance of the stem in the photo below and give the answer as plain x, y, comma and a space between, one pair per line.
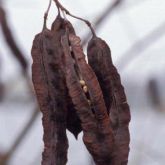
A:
7, 32
105, 13
59, 5
20, 137
46, 14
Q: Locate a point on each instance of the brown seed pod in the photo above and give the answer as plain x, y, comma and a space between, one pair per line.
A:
58, 29
89, 76
99, 58
75, 91
65, 84
51, 93
98, 136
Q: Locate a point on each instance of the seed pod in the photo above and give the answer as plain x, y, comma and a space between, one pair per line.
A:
58, 29
89, 77
98, 136
50, 90
99, 58
74, 87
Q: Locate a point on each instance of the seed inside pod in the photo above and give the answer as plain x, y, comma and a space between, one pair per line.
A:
89, 102
82, 82
85, 89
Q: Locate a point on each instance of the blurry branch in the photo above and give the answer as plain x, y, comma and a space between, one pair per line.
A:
4, 160
140, 46
111, 7
13, 46
24, 66
11, 42
1, 84
133, 4
154, 94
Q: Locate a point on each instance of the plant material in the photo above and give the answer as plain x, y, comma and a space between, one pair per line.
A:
11, 42
98, 136
75, 95
58, 29
99, 57
50, 90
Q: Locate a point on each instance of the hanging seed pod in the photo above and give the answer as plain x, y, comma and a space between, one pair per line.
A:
51, 92
99, 58
72, 81
98, 136
58, 29
88, 75
79, 96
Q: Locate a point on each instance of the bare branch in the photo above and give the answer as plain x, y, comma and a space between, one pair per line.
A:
11, 42
20, 137
140, 46
106, 12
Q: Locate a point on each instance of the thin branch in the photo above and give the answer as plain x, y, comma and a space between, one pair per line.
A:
11, 42
2, 90
46, 13
111, 7
14, 47
20, 137
140, 46
60, 6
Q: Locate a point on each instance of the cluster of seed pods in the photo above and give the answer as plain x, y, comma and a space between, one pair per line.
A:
77, 95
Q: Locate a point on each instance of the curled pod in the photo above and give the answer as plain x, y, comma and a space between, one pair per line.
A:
74, 87
99, 58
89, 77
98, 136
50, 90
58, 29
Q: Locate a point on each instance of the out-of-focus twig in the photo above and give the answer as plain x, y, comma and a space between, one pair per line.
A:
111, 7
20, 137
154, 94
140, 46
10, 40
14, 47
1, 84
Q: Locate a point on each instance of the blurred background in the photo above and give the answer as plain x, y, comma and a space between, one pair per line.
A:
134, 29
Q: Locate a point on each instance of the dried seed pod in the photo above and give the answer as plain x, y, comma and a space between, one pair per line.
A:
58, 29
99, 58
51, 94
75, 91
89, 77
98, 136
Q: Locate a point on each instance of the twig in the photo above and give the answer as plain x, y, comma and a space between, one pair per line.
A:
14, 48
1, 84
11, 42
46, 14
20, 137
59, 6
140, 46
102, 17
